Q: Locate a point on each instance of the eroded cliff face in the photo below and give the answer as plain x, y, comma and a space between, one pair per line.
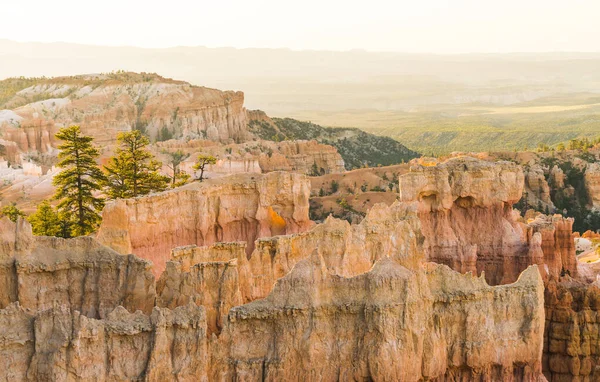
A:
472, 228
557, 244
194, 273
592, 183
235, 208
106, 104
572, 341
311, 326
39, 272
465, 208
59, 344
307, 157
390, 323
72, 309
537, 188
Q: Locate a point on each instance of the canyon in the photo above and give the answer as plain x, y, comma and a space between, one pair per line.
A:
283, 265
446, 283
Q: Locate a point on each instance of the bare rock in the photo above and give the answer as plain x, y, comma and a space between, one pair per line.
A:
592, 183
390, 323
234, 208
40, 272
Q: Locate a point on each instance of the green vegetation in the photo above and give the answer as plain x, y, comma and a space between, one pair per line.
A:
45, 221
79, 181
357, 148
11, 86
441, 129
12, 212
179, 178
201, 162
133, 171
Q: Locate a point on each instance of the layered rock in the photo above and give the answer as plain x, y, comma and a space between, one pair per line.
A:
40, 272
63, 345
235, 208
572, 341
307, 157
592, 183
212, 277
347, 250
557, 177
106, 104
557, 243
537, 188
390, 323
356, 303
465, 208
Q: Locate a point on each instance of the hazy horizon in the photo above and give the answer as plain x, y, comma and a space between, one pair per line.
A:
429, 27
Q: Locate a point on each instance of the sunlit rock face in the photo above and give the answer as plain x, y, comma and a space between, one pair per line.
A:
106, 104
391, 323
39, 272
235, 208
76, 310
465, 208
592, 183
466, 216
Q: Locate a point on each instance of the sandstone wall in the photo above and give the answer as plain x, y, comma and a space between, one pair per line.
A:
467, 219
592, 183
390, 323
303, 157
63, 345
537, 188
465, 208
235, 208
110, 106
571, 339
40, 272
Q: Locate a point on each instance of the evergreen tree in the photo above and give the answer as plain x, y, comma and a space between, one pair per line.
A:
201, 162
179, 177
133, 171
78, 181
45, 221
12, 212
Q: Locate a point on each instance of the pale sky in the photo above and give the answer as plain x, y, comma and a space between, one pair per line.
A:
428, 26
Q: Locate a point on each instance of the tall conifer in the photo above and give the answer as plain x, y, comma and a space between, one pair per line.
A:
133, 171
79, 180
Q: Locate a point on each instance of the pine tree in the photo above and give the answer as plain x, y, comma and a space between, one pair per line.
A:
45, 221
201, 162
12, 212
179, 177
78, 181
133, 171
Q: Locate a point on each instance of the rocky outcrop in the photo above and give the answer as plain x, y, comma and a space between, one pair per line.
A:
347, 250
106, 104
390, 323
355, 303
63, 345
557, 244
307, 157
537, 189
592, 183
212, 277
465, 208
557, 177
572, 343
39, 272
235, 208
